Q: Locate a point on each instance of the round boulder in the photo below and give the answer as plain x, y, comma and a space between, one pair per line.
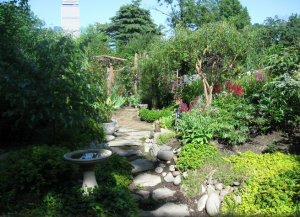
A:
213, 204
165, 155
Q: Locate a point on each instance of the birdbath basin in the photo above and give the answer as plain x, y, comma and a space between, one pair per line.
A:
88, 159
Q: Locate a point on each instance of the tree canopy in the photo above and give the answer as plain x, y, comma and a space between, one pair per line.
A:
130, 21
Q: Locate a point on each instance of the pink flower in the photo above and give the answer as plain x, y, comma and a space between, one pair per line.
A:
228, 83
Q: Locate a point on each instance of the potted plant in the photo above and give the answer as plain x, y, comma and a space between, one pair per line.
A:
105, 111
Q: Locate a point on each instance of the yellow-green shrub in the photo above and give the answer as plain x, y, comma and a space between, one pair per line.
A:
273, 188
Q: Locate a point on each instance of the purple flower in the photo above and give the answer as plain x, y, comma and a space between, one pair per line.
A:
228, 83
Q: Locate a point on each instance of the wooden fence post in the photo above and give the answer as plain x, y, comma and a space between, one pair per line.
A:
135, 67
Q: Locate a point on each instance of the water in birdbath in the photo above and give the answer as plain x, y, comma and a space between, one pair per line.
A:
87, 155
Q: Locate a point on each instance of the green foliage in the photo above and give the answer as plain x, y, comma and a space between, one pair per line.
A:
149, 116
195, 128
191, 91
105, 109
133, 100
130, 21
165, 113
33, 169
163, 138
271, 148
280, 100
115, 172
274, 185
193, 155
233, 9
168, 122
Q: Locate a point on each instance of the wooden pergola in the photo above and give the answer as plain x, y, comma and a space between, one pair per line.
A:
109, 61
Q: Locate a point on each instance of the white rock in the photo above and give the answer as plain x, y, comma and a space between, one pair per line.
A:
168, 162
143, 193
176, 173
229, 188
238, 199
162, 165
172, 168
236, 183
109, 138
159, 169
202, 201
210, 189
162, 193
219, 186
169, 177
202, 189
146, 148
213, 204
168, 210
147, 140
223, 193
164, 174
147, 180
177, 180
185, 175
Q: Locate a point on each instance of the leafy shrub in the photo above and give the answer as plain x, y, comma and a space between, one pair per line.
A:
33, 169
165, 113
193, 155
191, 91
149, 116
274, 185
168, 122
133, 100
144, 114
195, 128
165, 137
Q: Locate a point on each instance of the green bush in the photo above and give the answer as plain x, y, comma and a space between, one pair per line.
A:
165, 113
33, 169
168, 122
272, 190
149, 116
193, 155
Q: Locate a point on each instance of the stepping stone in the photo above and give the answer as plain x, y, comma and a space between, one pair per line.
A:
126, 153
143, 193
136, 135
168, 210
177, 180
141, 165
147, 180
123, 143
162, 193
165, 155
210, 189
118, 134
219, 186
124, 130
169, 177
159, 169
4, 155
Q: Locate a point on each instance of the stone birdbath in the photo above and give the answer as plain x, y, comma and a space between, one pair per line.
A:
88, 159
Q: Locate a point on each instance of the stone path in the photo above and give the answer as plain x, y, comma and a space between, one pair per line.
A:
127, 143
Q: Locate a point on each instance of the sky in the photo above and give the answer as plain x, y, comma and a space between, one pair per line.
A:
93, 11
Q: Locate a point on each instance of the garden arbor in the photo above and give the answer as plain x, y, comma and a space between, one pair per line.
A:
109, 62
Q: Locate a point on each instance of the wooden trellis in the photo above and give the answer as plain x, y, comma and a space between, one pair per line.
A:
109, 61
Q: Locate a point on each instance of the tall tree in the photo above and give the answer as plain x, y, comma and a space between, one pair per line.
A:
191, 13
235, 12
130, 21
282, 32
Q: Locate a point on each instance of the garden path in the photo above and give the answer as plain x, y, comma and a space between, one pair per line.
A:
149, 185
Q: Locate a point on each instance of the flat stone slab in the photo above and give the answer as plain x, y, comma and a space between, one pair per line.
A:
124, 130
143, 193
123, 143
147, 180
162, 193
4, 155
168, 210
141, 165
136, 135
126, 153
